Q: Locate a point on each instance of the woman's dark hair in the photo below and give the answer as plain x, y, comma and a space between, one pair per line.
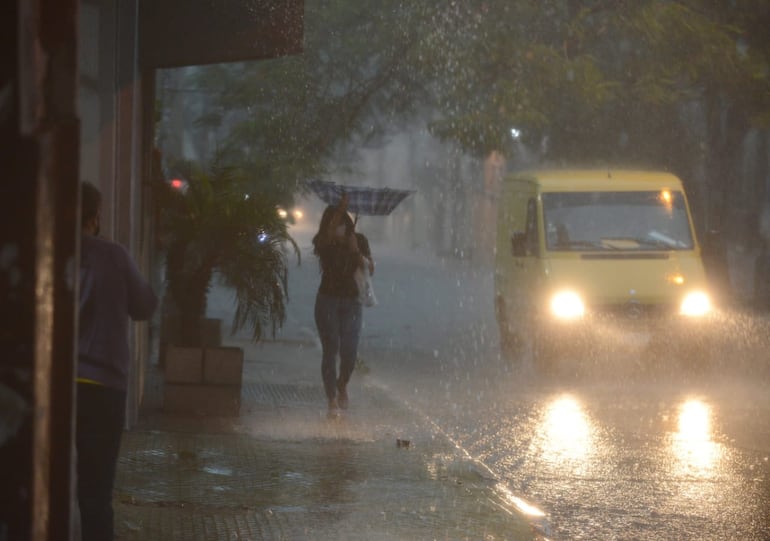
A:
327, 216
90, 202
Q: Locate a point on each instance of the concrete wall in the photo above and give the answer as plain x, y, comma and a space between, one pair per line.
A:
110, 102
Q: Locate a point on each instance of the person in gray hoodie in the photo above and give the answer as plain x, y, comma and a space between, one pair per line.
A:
112, 290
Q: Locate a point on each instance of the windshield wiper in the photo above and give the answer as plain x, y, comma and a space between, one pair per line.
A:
597, 245
643, 241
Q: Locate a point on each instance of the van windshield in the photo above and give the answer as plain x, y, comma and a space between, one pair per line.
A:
639, 221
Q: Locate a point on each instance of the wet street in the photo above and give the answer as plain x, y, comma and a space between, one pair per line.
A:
608, 450
608, 459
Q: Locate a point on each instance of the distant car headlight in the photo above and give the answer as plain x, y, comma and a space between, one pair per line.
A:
695, 304
567, 305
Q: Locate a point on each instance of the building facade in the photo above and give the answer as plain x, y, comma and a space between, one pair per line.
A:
77, 103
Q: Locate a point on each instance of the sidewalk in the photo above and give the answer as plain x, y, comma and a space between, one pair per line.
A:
281, 470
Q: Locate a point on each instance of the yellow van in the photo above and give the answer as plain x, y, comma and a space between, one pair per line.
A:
595, 255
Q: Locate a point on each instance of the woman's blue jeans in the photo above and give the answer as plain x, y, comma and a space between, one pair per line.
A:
338, 320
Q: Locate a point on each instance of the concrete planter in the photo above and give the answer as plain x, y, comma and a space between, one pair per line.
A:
203, 381
211, 334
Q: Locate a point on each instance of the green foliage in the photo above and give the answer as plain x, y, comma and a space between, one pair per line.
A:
214, 226
285, 117
573, 71
599, 81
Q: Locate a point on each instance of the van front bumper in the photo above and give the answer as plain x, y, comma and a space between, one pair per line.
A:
634, 328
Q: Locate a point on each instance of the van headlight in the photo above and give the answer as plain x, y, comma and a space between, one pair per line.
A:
567, 305
695, 304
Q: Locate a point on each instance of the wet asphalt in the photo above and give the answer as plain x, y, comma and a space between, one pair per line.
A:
599, 448
283, 470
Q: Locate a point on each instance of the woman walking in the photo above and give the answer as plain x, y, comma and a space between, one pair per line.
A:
340, 251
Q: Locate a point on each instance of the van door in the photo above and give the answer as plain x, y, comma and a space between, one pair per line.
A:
517, 249
527, 265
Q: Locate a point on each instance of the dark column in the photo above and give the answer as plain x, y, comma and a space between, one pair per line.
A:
38, 266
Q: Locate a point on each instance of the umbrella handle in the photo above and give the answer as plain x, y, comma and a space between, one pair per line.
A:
343, 204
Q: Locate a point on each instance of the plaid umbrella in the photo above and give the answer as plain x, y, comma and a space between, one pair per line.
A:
361, 200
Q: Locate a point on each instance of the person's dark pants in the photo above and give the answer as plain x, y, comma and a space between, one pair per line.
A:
100, 418
338, 320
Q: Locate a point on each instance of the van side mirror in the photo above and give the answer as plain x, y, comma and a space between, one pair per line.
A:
519, 244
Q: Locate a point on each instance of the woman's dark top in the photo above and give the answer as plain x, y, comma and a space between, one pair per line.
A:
338, 264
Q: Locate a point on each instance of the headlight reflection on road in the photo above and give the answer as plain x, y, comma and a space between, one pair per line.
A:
566, 433
696, 452
521, 505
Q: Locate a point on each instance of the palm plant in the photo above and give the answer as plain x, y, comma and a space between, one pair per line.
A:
214, 226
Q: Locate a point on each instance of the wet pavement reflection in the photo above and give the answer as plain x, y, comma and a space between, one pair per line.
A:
665, 456
694, 450
617, 446
565, 434
636, 441
291, 473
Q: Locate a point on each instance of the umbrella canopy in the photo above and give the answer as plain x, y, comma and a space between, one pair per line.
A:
361, 200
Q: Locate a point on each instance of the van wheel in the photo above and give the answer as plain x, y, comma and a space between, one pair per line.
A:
510, 343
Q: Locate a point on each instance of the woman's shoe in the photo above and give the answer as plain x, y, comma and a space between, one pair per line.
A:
334, 409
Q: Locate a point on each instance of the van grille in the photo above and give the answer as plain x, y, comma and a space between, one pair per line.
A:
633, 310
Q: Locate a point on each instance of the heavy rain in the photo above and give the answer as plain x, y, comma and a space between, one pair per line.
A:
620, 435
572, 321
641, 427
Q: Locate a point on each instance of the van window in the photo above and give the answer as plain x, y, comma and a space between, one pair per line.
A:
585, 221
531, 232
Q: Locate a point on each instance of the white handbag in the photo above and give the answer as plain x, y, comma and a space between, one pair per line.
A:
365, 288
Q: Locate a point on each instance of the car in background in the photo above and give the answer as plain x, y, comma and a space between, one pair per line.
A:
293, 215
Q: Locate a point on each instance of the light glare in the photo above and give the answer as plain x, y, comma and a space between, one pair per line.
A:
693, 445
567, 305
677, 279
521, 505
696, 304
694, 421
566, 434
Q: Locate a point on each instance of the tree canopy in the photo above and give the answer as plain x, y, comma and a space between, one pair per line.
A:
667, 83
602, 80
